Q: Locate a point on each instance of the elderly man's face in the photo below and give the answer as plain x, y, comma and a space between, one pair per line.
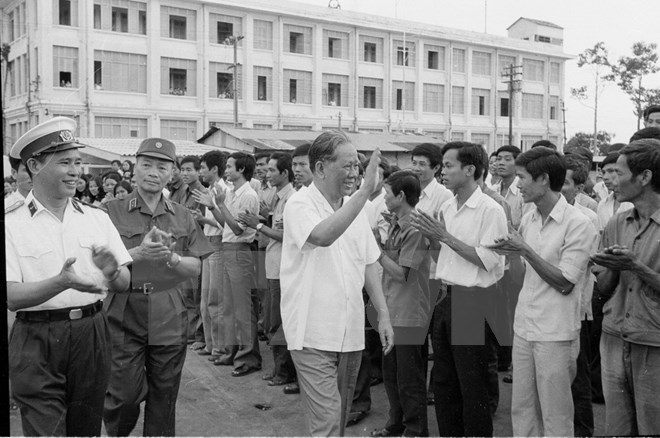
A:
341, 174
152, 174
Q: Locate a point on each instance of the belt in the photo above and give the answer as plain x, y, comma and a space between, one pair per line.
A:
229, 245
60, 314
149, 288
215, 239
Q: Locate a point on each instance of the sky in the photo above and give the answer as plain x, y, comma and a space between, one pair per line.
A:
618, 23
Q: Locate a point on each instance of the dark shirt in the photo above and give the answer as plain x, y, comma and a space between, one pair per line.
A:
133, 219
188, 200
177, 190
633, 311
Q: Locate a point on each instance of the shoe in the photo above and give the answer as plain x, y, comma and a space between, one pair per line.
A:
278, 381
508, 378
262, 337
375, 381
219, 362
268, 377
430, 400
204, 352
196, 346
385, 431
293, 388
244, 370
214, 357
355, 417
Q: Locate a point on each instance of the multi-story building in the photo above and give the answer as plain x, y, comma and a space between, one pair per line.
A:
131, 68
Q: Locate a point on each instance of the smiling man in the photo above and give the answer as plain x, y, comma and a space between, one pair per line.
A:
62, 257
328, 254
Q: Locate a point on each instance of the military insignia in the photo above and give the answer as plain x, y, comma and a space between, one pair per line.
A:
159, 145
66, 135
14, 206
132, 204
168, 205
32, 207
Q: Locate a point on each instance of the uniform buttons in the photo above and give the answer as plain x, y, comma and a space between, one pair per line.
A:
627, 315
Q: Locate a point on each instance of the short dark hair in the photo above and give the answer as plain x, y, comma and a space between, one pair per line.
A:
429, 150
492, 154
514, 150
542, 160
581, 152
407, 182
615, 147
610, 159
125, 184
246, 162
579, 168
469, 154
301, 150
546, 143
214, 159
644, 154
325, 147
284, 161
112, 175
650, 110
115, 161
192, 159
652, 132
177, 163
259, 155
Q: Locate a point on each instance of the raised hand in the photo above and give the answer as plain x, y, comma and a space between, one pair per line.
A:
155, 245
219, 193
205, 198
370, 180
616, 258
430, 227
249, 219
104, 260
71, 280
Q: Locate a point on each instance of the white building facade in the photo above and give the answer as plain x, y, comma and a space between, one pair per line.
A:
127, 68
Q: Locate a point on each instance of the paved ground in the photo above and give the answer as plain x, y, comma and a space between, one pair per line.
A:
213, 403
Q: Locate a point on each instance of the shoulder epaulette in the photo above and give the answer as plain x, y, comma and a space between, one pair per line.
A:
14, 206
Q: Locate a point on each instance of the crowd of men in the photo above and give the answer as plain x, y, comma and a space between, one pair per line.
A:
516, 261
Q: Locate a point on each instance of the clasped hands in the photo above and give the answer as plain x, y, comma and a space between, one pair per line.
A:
616, 258
157, 246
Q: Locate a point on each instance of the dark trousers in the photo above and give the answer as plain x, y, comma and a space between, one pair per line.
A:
141, 370
59, 373
283, 367
583, 418
405, 384
192, 295
597, 303
460, 371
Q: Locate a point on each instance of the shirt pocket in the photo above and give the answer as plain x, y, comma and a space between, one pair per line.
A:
131, 235
35, 250
180, 239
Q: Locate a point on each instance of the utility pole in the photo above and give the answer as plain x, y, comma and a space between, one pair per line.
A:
513, 74
339, 117
233, 41
563, 116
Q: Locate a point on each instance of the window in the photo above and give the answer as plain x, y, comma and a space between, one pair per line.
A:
221, 80
403, 96
98, 75
335, 44
435, 57
225, 27
458, 100
528, 140
554, 107
178, 77
299, 39
119, 20
297, 86
542, 39
371, 90
480, 102
532, 106
121, 71
11, 26
555, 73
263, 84
335, 90
532, 70
482, 139
177, 27
505, 62
97, 16
178, 23
119, 127
405, 53
458, 60
504, 104
142, 22
11, 75
65, 67
372, 49
434, 98
457, 136
178, 129
263, 34
65, 12
481, 63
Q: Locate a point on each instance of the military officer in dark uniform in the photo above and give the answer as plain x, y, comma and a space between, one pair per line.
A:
148, 324
62, 256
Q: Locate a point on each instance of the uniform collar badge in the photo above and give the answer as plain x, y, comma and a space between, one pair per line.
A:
32, 206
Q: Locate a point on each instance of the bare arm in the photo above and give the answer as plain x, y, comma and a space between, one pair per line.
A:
375, 292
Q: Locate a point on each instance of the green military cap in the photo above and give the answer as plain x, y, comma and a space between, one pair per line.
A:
157, 148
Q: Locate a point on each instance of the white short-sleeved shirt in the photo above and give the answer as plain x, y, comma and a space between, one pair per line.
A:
237, 201
37, 244
274, 248
212, 230
565, 241
515, 200
430, 200
586, 283
322, 305
477, 223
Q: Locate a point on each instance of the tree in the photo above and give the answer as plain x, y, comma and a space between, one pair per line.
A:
596, 59
629, 73
597, 145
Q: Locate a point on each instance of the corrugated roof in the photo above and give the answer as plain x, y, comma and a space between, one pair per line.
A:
127, 147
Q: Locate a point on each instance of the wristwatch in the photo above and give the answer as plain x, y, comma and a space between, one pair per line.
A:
211, 208
259, 226
175, 260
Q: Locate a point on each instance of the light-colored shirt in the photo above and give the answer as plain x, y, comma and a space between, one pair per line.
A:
565, 241
515, 200
212, 230
600, 189
586, 283
374, 209
322, 305
266, 194
605, 210
237, 201
586, 201
37, 244
477, 223
13, 201
430, 200
274, 248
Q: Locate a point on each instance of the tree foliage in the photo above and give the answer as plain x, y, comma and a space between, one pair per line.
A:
603, 140
629, 73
